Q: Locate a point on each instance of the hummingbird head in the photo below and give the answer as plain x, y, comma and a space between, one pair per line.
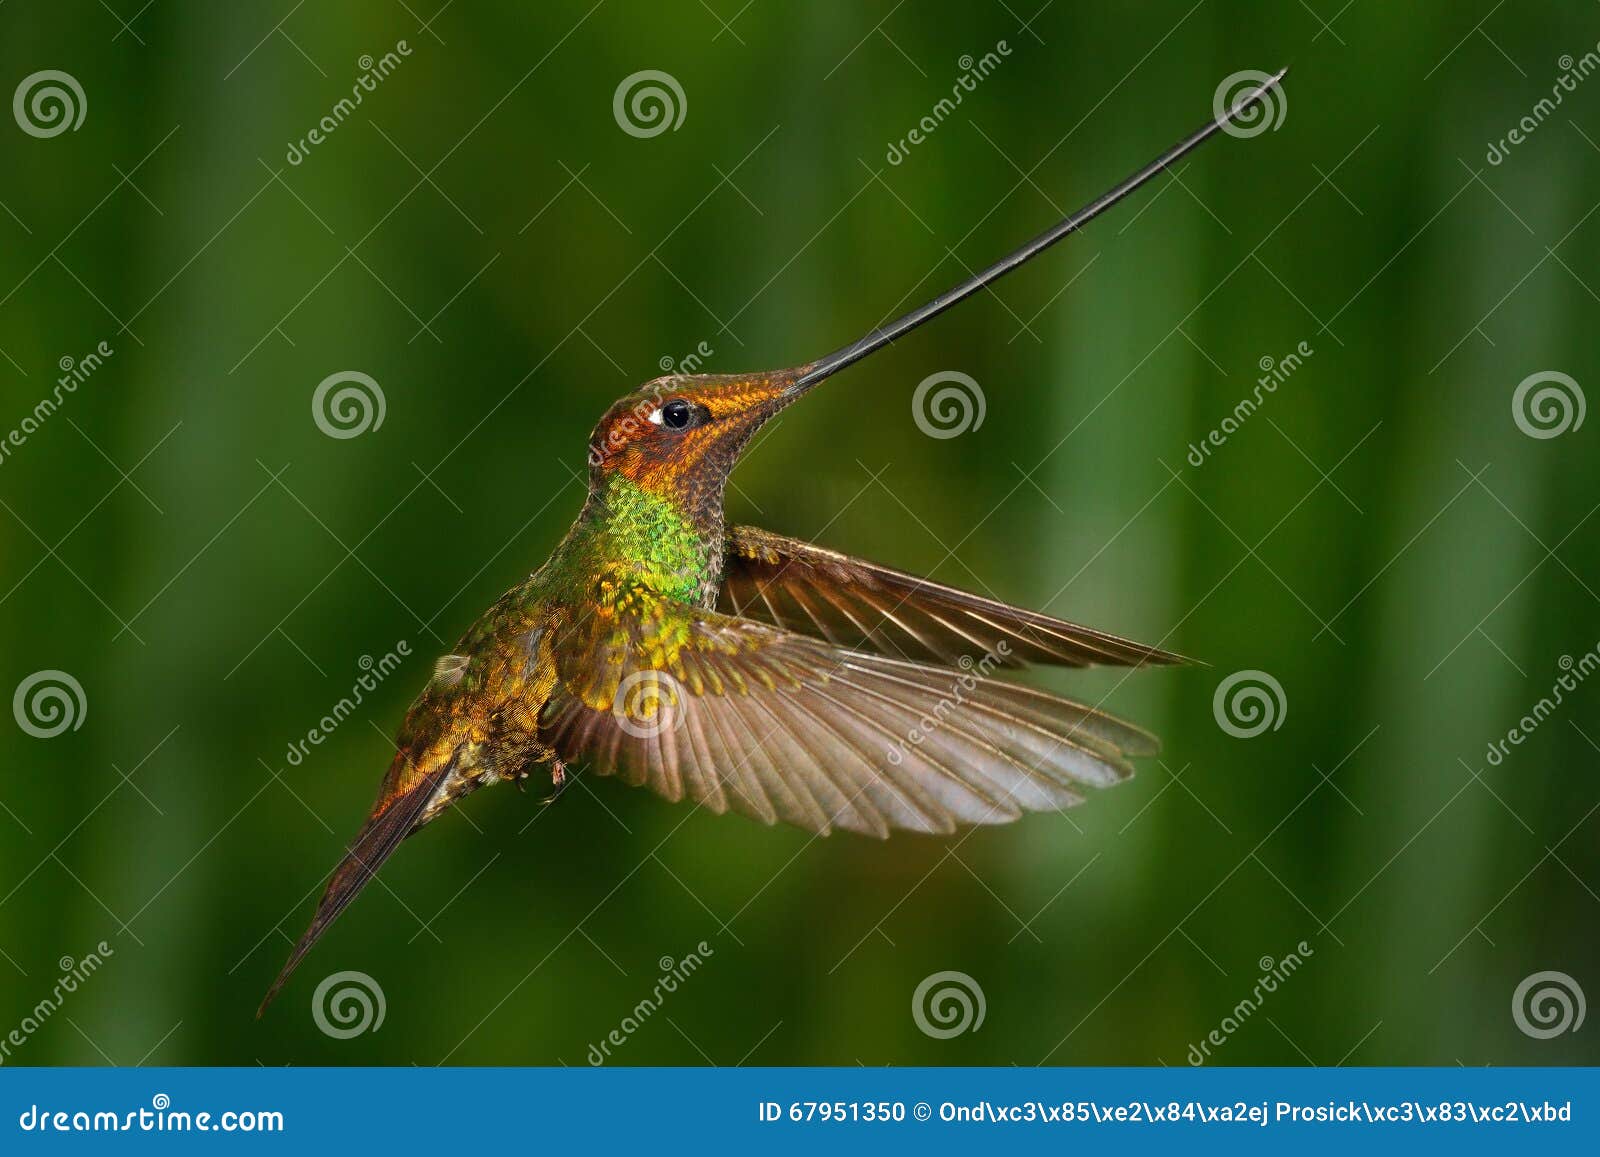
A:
678, 437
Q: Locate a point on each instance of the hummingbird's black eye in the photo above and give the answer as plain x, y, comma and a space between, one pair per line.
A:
675, 415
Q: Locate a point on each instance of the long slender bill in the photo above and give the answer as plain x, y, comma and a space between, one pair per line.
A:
891, 331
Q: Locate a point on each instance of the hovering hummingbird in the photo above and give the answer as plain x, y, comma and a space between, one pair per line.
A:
744, 670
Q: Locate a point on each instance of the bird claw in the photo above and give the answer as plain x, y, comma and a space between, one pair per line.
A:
558, 780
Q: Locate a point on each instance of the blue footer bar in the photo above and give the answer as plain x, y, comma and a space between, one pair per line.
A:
794, 1110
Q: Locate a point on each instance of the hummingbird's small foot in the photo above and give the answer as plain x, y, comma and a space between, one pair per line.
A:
558, 780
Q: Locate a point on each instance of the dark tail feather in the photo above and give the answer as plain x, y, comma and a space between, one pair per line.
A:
374, 844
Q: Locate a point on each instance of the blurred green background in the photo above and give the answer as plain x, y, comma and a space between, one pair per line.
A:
483, 239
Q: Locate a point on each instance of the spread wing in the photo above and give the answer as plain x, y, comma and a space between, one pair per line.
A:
738, 715
860, 605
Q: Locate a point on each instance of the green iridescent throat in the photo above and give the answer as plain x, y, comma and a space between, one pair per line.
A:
657, 539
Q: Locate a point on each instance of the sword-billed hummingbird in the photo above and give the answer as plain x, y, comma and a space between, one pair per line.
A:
744, 670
